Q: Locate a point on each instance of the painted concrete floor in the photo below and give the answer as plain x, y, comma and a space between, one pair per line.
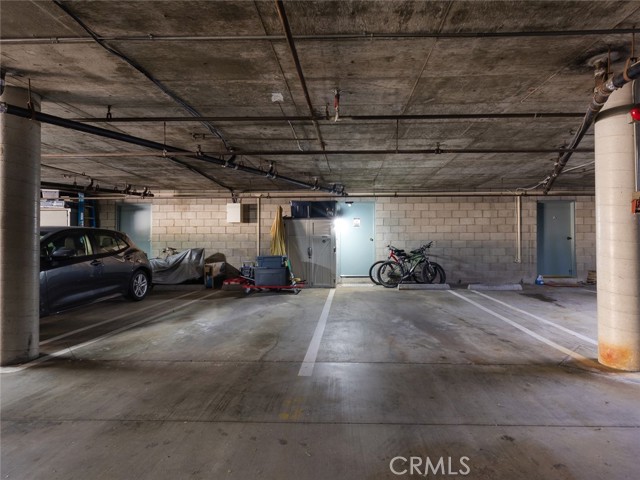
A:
203, 384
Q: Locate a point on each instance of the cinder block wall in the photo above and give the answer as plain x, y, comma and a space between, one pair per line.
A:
475, 237
202, 223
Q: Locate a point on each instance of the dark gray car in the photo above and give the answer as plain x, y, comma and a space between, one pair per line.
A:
81, 265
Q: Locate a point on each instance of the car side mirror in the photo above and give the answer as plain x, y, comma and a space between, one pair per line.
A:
63, 252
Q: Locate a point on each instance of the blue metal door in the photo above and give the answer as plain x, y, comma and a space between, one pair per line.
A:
556, 238
355, 225
135, 221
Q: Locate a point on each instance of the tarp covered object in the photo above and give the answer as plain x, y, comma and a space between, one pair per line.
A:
179, 268
277, 235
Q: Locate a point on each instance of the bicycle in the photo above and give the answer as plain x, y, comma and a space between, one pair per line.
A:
416, 266
394, 254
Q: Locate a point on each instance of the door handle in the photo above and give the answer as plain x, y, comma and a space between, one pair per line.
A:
309, 252
96, 263
568, 238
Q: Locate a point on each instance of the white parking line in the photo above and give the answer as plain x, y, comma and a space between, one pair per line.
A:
59, 353
540, 319
312, 352
94, 325
580, 358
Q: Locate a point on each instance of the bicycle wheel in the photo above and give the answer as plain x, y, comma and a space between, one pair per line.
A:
441, 277
418, 274
373, 271
429, 272
390, 274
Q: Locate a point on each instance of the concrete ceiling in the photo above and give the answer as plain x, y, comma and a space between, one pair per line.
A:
409, 74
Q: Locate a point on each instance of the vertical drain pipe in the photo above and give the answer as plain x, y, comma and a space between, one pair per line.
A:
518, 258
258, 229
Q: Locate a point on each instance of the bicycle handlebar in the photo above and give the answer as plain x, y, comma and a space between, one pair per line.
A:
427, 245
397, 251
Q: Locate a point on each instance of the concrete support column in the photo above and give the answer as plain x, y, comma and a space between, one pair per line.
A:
617, 237
19, 239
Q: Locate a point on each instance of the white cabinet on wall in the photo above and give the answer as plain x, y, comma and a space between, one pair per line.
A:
311, 247
55, 217
236, 213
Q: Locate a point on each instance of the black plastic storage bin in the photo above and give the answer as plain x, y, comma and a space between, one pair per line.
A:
271, 277
270, 261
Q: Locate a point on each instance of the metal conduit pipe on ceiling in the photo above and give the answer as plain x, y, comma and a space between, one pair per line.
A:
296, 60
197, 171
295, 194
305, 194
300, 118
346, 36
81, 127
173, 96
284, 153
600, 96
410, 151
86, 190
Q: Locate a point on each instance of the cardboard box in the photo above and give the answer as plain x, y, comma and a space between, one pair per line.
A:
211, 271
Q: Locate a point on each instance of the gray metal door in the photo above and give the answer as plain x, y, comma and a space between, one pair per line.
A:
135, 221
297, 240
556, 238
355, 234
323, 253
311, 251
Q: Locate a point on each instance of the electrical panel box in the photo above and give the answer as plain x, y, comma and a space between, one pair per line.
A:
235, 213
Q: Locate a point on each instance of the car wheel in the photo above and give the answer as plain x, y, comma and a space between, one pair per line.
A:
139, 285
